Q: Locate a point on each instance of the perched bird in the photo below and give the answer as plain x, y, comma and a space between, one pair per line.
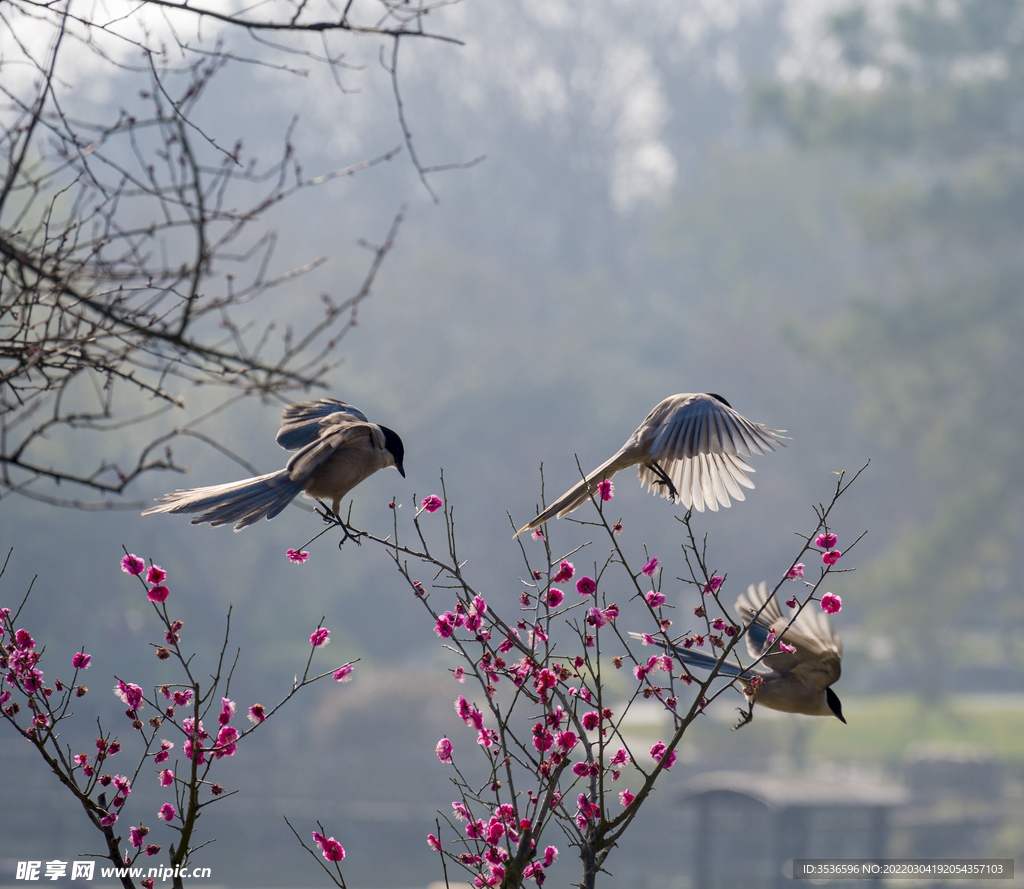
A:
336, 448
797, 681
691, 446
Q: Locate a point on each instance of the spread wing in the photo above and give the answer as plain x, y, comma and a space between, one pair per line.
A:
316, 429
699, 441
819, 650
302, 424
748, 605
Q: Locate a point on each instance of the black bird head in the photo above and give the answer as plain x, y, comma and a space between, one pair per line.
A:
833, 704
394, 444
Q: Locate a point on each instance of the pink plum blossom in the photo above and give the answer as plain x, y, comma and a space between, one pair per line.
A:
444, 750
831, 557
332, 850
649, 568
227, 710
298, 557
831, 603
162, 756
586, 586
320, 637
796, 572
567, 740
226, 739
625, 798
23, 640
156, 574
432, 503
344, 672
129, 693
543, 740
658, 753
132, 564
81, 661
555, 597
158, 594
565, 572
655, 599
166, 778
597, 617
826, 541
166, 812
712, 585
606, 489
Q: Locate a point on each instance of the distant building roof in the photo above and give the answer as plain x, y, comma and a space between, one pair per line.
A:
782, 790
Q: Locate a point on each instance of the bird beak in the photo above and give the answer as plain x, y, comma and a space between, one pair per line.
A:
839, 716
401, 469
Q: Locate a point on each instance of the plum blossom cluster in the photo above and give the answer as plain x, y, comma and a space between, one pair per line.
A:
155, 577
827, 541
472, 618
106, 795
494, 837
471, 716
20, 659
573, 746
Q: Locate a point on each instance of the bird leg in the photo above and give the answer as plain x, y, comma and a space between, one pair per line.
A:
330, 517
746, 716
663, 479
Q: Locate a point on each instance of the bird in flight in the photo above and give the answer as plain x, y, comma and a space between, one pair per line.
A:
691, 446
799, 666
336, 447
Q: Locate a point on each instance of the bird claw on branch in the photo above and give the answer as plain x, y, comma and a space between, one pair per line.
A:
330, 517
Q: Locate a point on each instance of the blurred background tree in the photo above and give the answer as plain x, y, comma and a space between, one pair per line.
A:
928, 106
130, 267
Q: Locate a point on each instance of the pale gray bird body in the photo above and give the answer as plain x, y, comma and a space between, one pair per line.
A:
797, 681
336, 447
691, 445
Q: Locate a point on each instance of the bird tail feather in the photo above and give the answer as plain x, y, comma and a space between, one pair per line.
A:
575, 497
244, 502
699, 659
